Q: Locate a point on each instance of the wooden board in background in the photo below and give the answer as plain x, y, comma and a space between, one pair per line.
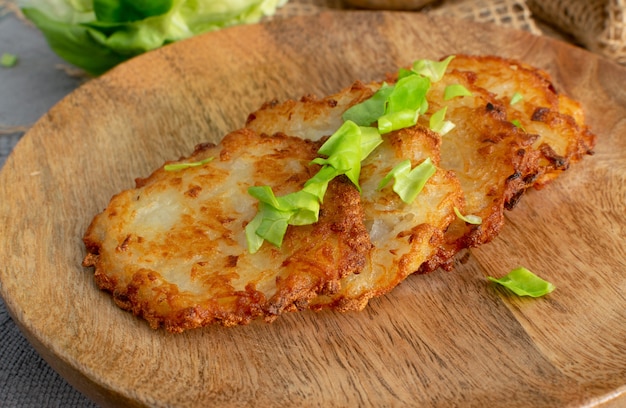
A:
443, 339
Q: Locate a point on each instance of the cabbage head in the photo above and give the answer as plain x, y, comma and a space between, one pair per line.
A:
96, 35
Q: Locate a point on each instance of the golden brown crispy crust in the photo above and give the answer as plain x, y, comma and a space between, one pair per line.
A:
171, 249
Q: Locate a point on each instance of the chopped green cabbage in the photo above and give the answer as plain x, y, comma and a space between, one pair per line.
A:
96, 35
523, 282
8, 60
517, 97
276, 213
437, 122
469, 218
454, 91
409, 182
186, 165
435, 70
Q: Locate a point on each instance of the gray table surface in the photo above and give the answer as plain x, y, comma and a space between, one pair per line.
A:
27, 91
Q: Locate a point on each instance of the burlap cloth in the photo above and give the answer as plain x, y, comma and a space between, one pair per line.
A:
511, 13
598, 25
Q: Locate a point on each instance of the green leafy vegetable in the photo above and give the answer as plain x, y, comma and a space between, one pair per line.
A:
434, 70
397, 120
408, 93
345, 149
518, 124
368, 111
439, 124
404, 103
370, 140
276, 213
8, 60
454, 91
96, 35
524, 283
253, 240
469, 218
182, 166
125, 11
517, 97
318, 184
403, 72
409, 183
269, 224
75, 44
394, 107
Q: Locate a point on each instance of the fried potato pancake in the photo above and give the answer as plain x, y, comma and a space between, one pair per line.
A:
490, 156
499, 149
173, 249
404, 235
556, 121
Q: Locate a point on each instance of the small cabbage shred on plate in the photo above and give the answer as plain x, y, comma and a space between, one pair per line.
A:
96, 35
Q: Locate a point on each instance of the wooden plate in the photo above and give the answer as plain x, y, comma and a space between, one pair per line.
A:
444, 339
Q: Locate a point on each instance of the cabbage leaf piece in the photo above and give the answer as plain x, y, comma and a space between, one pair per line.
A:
394, 106
468, 218
368, 111
455, 91
434, 70
408, 183
517, 97
186, 165
276, 213
437, 122
523, 282
8, 60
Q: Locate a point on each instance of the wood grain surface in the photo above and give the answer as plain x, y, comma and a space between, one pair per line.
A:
438, 340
